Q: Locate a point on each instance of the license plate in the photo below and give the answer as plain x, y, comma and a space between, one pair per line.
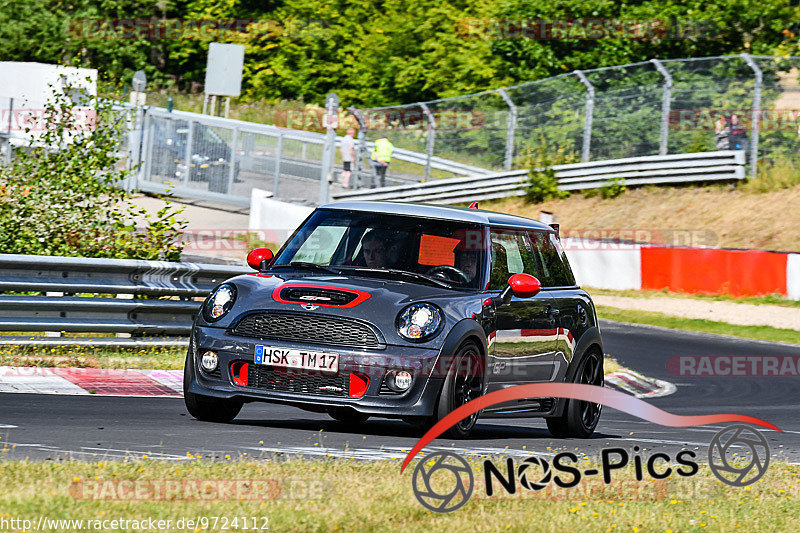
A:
298, 359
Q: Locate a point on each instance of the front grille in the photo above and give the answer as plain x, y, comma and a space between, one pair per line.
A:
319, 329
265, 378
321, 296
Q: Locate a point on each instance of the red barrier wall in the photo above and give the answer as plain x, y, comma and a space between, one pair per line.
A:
697, 270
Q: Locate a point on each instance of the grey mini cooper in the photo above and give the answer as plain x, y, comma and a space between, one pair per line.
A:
400, 311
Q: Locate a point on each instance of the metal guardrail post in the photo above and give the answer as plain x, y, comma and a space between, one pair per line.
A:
588, 115
188, 155
665, 106
756, 113
430, 140
278, 155
360, 145
512, 126
232, 170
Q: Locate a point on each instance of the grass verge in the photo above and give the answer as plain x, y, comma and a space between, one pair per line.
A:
771, 299
763, 333
341, 495
154, 357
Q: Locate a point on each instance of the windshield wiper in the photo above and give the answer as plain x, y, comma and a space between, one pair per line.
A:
405, 273
308, 266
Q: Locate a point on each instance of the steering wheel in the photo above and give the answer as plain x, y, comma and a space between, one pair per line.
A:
455, 273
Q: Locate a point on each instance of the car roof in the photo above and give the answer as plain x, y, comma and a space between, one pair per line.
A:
461, 214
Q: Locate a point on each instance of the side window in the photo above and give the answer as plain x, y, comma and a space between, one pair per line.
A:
506, 257
553, 265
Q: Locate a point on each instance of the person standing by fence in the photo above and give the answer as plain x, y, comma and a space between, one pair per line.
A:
347, 149
738, 134
722, 133
381, 156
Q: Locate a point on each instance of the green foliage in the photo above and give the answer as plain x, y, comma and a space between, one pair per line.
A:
380, 53
613, 189
542, 184
781, 173
59, 195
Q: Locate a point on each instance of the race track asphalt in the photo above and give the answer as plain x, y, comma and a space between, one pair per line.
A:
49, 427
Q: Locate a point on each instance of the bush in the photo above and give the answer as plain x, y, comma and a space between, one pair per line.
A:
781, 173
613, 189
542, 183
59, 195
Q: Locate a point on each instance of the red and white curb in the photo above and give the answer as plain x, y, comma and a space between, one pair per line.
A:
169, 383
638, 385
86, 381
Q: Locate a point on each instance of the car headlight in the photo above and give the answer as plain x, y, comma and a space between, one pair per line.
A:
219, 303
419, 322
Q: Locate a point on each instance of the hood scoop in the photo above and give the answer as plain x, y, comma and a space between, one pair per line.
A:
320, 295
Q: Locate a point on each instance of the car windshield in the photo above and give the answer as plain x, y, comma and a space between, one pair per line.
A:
379, 244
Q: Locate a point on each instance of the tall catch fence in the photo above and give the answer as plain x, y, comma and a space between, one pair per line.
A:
655, 107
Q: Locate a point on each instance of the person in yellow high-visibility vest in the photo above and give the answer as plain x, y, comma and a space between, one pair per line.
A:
381, 156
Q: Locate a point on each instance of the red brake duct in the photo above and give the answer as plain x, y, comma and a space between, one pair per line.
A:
239, 372
358, 385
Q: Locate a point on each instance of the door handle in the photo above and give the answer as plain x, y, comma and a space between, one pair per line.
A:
553, 311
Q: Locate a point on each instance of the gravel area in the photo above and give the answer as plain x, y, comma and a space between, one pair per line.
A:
732, 313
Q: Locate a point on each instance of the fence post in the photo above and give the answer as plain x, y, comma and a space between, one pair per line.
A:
232, 170
188, 155
587, 121
665, 106
756, 113
145, 150
512, 126
278, 155
360, 145
430, 140
329, 149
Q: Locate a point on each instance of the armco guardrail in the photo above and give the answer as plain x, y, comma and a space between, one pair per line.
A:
152, 297
668, 169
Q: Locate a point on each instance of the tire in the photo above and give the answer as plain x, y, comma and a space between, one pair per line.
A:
464, 382
580, 418
206, 408
348, 416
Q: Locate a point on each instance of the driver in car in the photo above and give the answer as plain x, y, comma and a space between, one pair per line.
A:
467, 262
374, 248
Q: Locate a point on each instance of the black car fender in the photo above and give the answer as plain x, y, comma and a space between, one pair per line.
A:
590, 339
464, 330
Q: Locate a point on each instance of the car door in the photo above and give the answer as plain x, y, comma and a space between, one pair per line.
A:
558, 281
526, 330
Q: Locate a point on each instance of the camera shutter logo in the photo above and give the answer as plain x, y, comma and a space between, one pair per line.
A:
452, 486
544, 480
734, 438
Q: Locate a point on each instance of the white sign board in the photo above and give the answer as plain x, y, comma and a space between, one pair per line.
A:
224, 69
27, 87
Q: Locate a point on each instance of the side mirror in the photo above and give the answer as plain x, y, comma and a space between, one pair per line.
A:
521, 286
259, 258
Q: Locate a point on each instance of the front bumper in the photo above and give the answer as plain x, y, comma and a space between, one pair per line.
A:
418, 400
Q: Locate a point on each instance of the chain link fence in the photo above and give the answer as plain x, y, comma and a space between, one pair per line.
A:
655, 107
218, 159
